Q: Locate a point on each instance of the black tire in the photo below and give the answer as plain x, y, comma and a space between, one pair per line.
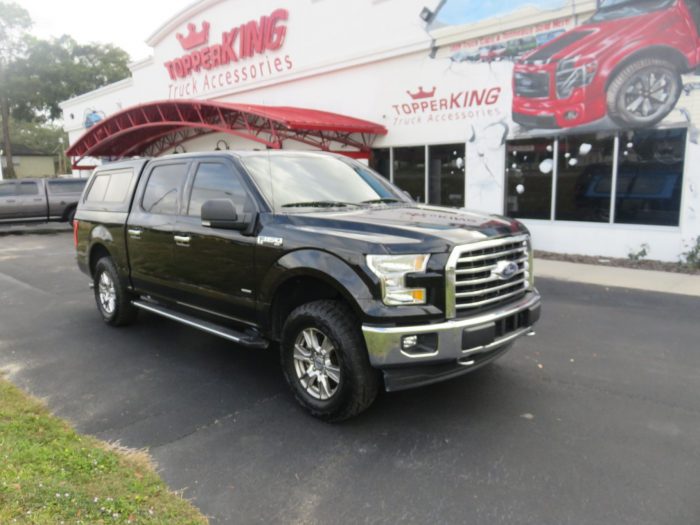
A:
121, 312
632, 84
358, 382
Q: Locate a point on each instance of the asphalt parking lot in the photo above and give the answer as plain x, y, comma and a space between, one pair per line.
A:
594, 421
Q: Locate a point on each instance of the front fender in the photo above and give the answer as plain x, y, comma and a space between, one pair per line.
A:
321, 265
362, 292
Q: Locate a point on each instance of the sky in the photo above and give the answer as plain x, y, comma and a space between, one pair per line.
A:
463, 11
126, 23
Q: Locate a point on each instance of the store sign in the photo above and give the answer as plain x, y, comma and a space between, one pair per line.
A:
240, 43
426, 106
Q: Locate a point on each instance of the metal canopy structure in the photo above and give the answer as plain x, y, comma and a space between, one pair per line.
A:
156, 127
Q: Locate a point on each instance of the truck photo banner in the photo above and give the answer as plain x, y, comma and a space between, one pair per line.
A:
620, 64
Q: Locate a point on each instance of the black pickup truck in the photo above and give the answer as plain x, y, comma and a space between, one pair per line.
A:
359, 286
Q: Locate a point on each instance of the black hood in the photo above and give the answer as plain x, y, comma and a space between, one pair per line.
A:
398, 229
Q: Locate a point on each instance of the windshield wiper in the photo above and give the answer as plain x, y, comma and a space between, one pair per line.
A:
320, 204
382, 201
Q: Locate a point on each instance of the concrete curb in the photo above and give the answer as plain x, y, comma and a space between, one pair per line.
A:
648, 280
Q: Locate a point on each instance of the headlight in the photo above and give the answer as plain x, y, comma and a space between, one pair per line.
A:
392, 270
572, 74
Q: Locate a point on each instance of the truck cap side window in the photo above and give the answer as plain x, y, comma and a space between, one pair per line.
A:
214, 180
163, 189
110, 187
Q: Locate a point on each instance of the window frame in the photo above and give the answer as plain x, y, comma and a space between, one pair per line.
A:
188, 163
192, 175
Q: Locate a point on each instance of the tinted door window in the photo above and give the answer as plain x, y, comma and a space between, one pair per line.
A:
7, 189
216, 181
28, 188
163, 189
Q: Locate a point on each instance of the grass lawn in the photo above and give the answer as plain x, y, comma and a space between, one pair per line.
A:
49, 474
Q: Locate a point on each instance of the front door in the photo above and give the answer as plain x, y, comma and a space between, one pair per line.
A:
9, 205
215, 267
151, 227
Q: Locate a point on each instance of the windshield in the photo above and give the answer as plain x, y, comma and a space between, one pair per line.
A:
614, 9
298, 180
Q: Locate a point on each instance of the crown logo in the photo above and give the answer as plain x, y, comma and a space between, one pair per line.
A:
421, 93
194, 38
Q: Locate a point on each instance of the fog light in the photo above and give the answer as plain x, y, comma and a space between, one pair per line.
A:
571, 115
409, 341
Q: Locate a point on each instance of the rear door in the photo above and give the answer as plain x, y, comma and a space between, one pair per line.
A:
32, 199
9, 207
151, 227
214, 268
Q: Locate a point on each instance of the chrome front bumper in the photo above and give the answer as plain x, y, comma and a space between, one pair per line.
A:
455, 340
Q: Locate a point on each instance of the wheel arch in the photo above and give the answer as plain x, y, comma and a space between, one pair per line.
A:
68, 210
671, 54
97, 252
309, 275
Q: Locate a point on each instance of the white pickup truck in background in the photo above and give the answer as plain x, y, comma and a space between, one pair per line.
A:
39, 200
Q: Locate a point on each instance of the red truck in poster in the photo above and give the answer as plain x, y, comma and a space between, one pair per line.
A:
625, 62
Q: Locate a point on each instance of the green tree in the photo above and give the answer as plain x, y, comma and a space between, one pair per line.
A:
14, 22
36, 75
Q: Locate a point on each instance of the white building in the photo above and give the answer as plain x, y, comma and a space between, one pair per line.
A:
439, 100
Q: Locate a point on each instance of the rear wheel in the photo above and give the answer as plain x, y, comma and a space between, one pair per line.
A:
325, 361
643, 93
111, 294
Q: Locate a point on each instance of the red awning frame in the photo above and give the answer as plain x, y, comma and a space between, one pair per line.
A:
153, 128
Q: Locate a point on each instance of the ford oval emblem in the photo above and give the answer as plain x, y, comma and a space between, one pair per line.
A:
504, 270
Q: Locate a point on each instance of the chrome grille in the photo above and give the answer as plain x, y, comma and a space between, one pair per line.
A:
472, 279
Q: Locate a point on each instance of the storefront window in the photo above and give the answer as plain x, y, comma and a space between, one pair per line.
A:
446, 175
381, 162
584, 177
409, 171
650, 177
529, 167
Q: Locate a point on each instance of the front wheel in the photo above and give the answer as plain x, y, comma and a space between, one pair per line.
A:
325, 361
111, 294
643, 93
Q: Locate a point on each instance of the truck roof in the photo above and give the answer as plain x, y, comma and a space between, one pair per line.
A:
196, 154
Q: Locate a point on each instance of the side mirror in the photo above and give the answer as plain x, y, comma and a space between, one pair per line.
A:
221, 213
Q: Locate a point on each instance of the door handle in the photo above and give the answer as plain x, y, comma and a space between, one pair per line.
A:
10, 201
182, 240
134, 233
38, 200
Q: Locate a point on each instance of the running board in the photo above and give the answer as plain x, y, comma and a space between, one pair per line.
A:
247, 340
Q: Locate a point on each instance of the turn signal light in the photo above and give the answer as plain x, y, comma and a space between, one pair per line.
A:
75, 232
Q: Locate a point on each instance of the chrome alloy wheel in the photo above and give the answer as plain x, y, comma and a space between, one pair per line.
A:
316, 364
107, 293
648, 93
